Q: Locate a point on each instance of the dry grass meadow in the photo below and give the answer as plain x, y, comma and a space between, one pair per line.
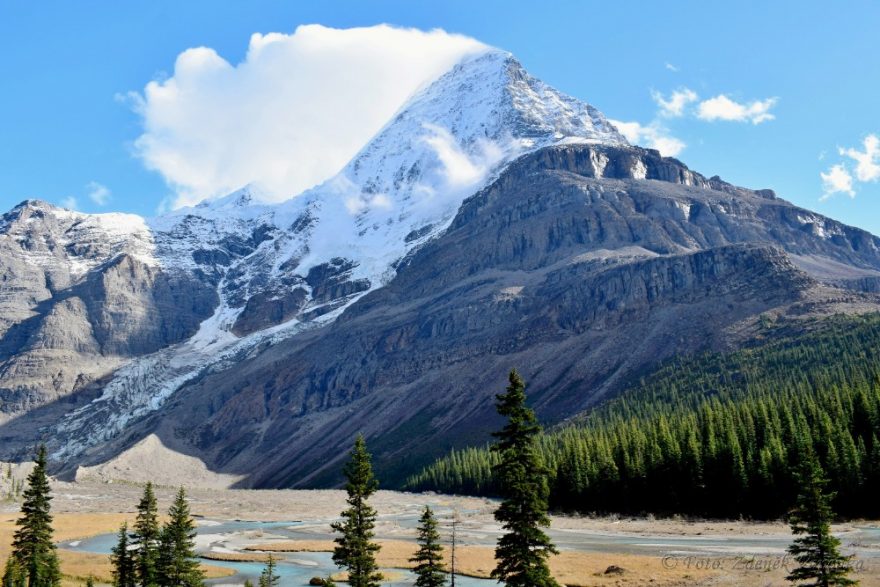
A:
85, 510
76, 566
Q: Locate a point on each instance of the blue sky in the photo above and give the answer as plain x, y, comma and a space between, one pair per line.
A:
813, 66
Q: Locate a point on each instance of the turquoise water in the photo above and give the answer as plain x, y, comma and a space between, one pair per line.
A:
294, 568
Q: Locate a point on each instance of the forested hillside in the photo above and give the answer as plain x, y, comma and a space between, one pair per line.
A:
718, 434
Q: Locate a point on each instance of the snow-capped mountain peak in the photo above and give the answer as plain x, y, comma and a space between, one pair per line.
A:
276, 269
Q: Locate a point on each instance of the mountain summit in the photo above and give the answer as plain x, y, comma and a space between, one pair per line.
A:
492, 222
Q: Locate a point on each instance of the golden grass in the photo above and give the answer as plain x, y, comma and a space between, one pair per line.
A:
77, 566
237, 557
575, 569
294, 546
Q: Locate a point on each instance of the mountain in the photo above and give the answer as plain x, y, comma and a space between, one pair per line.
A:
493, 222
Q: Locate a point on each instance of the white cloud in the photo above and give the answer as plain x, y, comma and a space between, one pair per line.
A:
291, 114
98, 193
674, 106
652, 135
837, 180
671, 67
723, 108
69, 202
357, 204
461, 170
867, 161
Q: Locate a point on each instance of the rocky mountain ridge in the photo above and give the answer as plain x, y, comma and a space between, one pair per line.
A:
494, 222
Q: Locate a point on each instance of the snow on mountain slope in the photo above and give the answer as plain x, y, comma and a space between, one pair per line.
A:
285, 267
80, 242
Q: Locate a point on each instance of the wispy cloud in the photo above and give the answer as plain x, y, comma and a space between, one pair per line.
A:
685, 103
838, 179
671, 67
98, 193
653, 135
675, 105
867, 161
722, 107
69, 202
460, 168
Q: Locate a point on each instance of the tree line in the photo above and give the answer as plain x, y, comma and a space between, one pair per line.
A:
150, 556
718, 435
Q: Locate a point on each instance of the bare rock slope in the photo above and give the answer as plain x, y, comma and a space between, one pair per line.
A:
579, 277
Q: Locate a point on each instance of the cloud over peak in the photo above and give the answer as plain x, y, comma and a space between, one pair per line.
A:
291, 114
98, 193
653, 135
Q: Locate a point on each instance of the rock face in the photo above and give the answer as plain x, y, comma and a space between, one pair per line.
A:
76, 304
259, 339
580, 281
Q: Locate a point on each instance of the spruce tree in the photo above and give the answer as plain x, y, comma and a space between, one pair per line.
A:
268, 578
821, 564
355, 550
523, 550
123, 561
13, 574
178, 565
429, 557
146, 538
33, 551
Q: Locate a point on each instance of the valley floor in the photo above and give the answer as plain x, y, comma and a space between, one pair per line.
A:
242, 526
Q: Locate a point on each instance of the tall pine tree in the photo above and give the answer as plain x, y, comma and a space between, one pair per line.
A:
146, 538
523, 550
269, 578
122, 560
355, 550
34, 561
429, 557
178, 565
816, 551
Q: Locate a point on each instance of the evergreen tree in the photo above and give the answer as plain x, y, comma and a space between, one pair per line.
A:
123, 561
33, 550
355, 550
268, 578
90, 581
667, 446
429, 557
821, 564
248, 583
523, 550
146, 538
178, 565
13, 574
